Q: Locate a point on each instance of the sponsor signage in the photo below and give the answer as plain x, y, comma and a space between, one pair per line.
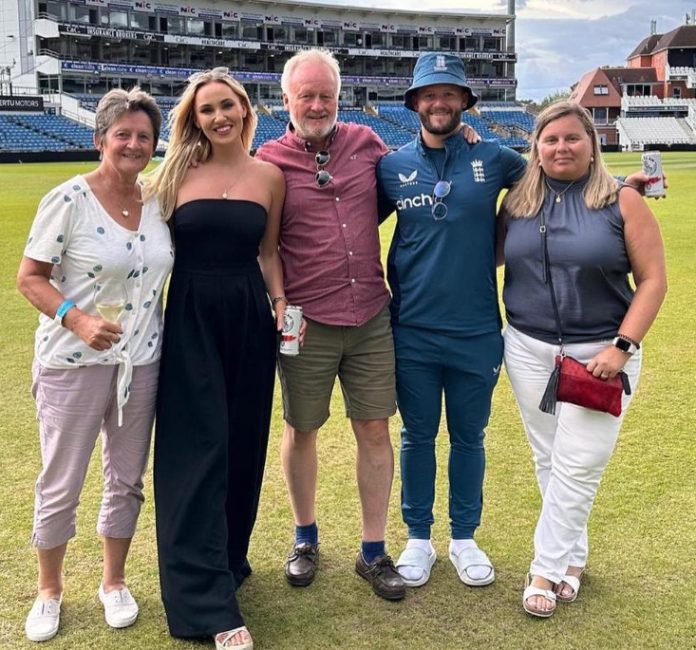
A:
127, 70
21, 104
167, 9
107, 32
493, 56
214, 42
481, 81
244, 77
222, 43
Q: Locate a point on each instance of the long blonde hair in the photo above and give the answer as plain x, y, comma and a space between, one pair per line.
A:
188, 143
527, 196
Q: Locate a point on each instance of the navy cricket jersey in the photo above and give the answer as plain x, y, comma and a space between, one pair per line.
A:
442, 274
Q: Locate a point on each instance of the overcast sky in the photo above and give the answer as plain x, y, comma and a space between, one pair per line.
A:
559, 40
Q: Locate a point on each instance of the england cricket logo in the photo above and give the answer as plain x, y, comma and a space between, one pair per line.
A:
440, 64
479, 172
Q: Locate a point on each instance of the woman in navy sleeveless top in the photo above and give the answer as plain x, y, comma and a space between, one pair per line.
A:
597, 233
218, 359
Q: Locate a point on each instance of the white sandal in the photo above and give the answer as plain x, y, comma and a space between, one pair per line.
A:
574, 583
529, 591
470, 557
416, 558
223, 640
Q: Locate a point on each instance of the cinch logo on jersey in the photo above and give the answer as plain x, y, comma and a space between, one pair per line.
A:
408, 180
414, 202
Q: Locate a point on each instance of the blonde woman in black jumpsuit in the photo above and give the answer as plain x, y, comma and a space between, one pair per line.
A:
217, 371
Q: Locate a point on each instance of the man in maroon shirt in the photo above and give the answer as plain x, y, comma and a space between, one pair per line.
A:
329, 246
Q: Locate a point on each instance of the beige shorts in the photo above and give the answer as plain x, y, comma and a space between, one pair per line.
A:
362, 358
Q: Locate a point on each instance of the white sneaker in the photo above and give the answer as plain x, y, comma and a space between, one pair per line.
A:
120, 608
43, 619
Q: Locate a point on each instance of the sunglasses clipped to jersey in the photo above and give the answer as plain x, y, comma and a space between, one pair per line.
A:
440, 192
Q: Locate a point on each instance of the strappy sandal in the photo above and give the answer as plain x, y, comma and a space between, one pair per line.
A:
223, 640
529, 591
574, 583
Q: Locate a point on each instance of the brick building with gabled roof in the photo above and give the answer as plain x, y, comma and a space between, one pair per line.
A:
600, 92
662, 65
673, 57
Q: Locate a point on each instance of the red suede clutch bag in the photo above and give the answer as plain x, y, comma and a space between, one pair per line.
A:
571, 382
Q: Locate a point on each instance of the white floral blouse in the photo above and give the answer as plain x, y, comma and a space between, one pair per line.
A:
73, 232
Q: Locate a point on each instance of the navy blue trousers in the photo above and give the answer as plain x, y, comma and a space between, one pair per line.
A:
465, 370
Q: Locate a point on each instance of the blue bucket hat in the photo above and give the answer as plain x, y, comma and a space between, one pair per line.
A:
433, 68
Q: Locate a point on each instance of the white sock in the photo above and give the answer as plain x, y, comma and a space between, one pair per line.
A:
458, 545
412, 572
475, 572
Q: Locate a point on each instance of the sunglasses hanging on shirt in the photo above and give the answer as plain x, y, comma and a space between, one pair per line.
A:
322, 178
440, 192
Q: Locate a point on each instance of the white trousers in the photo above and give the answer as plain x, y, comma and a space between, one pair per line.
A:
571, 449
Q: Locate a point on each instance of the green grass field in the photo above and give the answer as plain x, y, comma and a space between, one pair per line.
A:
639, 590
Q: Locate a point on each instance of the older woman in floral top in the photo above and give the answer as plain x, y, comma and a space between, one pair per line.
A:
92, 236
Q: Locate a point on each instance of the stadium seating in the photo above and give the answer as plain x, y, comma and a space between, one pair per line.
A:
638, 131
395, 124
18, 136
519, 119
393, 135
269, 128
74, 135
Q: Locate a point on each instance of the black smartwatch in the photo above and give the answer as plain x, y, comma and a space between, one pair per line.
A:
625, 344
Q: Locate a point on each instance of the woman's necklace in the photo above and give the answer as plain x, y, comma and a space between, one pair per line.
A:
558, 195
226, 190
125, 212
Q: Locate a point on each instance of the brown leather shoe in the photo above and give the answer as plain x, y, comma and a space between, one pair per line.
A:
382, 575
301, 565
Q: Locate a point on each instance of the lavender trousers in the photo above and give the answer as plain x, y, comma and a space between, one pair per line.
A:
73, 406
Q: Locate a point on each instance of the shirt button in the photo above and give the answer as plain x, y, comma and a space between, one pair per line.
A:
337, 199
350, 252
343, 225
352, 280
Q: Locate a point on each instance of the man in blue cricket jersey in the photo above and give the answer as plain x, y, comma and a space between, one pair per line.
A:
441, 269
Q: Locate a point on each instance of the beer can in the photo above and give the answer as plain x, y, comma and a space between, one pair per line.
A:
652, 166
290, 338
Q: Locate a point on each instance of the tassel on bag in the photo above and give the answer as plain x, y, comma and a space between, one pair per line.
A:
548, 401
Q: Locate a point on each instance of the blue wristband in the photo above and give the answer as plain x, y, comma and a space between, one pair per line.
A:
63, 309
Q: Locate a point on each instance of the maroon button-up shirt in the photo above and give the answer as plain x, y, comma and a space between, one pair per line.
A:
329, 241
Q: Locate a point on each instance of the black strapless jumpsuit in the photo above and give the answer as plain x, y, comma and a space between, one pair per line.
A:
213, 412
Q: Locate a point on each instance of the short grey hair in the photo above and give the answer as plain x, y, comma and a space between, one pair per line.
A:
318, 55
117, 102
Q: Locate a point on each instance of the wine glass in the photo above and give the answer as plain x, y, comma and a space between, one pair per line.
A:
110, 297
